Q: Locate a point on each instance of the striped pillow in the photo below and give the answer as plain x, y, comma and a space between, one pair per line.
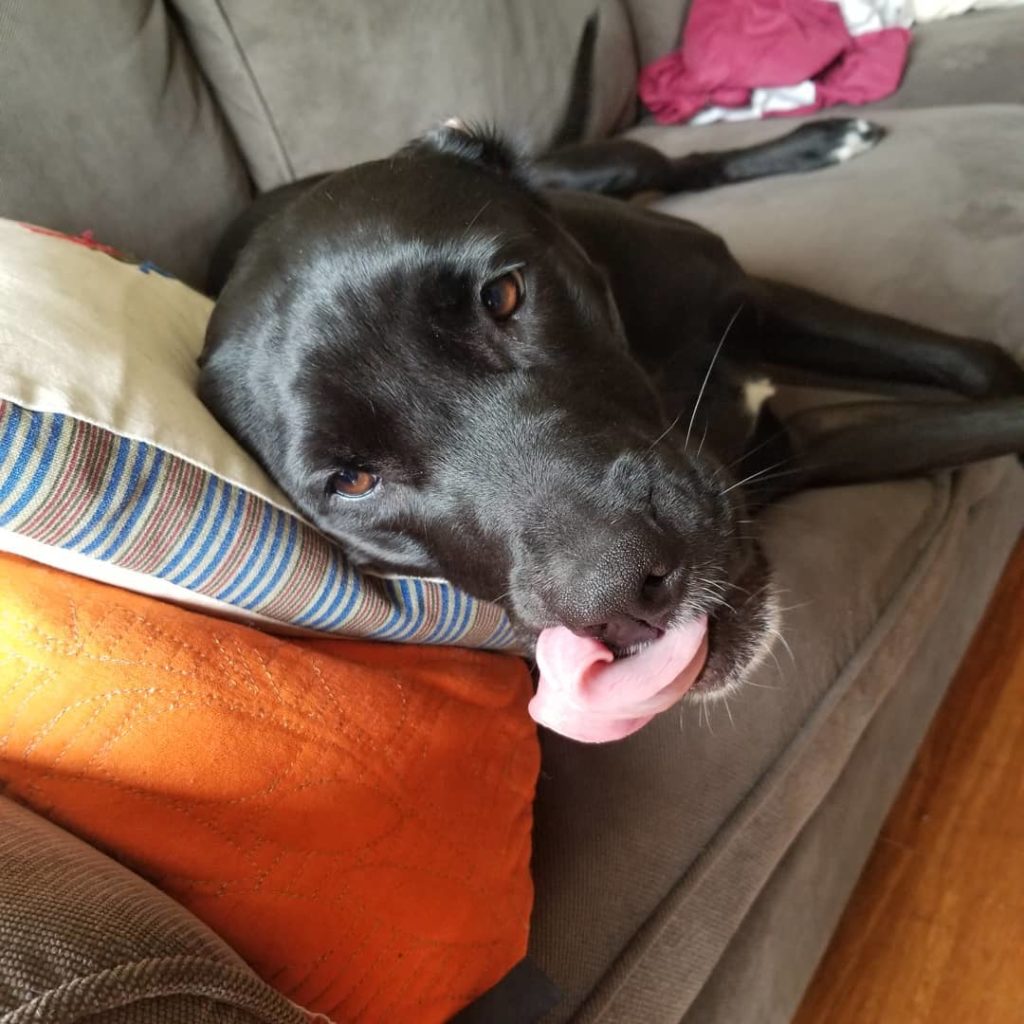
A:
112, 468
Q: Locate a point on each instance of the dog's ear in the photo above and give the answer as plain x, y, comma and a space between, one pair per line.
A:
477, 144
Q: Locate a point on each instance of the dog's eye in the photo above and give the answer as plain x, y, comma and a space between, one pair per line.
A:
352, 483
501, 297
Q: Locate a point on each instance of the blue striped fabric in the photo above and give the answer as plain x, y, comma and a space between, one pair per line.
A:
75, 486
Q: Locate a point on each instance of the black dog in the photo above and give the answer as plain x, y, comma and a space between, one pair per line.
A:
544, 396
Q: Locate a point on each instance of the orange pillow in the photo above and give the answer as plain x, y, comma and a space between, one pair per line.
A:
354, 818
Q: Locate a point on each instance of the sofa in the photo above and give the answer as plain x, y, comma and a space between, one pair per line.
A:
693, 872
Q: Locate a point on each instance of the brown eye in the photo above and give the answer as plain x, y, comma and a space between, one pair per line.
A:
501, 297
352, 483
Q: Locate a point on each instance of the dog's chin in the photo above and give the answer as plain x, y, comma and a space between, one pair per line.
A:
738, 644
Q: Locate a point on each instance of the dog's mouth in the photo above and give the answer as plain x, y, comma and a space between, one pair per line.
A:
592, 693
595, 692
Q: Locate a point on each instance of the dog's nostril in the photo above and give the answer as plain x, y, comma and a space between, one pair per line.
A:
655, 579
622, 631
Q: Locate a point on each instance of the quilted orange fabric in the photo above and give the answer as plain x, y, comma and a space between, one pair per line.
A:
353, 818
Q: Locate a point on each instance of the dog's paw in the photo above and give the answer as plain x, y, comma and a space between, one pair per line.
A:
834, 141
853, 136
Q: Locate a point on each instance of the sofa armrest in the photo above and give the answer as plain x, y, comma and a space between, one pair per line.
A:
83, 938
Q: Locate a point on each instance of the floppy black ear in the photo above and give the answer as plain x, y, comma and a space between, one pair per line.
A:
481, 145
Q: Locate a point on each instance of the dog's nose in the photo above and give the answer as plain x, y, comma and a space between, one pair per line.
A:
623, 600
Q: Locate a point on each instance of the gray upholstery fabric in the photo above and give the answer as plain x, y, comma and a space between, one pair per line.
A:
761, 977
928, 226
971, 59
84, 939
684, 824
312, 87
665, 964
107, 125
657, 26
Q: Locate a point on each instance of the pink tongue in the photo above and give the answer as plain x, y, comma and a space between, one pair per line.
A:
585, 694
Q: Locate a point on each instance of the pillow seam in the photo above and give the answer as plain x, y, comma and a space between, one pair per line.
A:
171, 981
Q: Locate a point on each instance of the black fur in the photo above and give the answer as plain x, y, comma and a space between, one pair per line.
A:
585, 461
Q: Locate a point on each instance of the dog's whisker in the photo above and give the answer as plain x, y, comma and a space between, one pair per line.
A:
756, 475
772, 476
753, 451
476, 216
728, 710
703, 438
700, 394
707, 376
761, 475
668, 430
778, 666
773, 631
761, 686
721, 585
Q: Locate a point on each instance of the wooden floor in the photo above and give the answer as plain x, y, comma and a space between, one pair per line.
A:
934, 932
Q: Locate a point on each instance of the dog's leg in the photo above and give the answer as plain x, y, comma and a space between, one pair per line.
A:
799, 329
625, 167
871, 441
876, 440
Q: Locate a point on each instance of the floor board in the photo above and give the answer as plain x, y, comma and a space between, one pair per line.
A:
934, 932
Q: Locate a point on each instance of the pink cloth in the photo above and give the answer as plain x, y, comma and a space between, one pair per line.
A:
731, 47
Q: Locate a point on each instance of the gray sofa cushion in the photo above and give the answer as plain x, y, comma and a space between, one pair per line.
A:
107, 125
971, 59
84, 939
691, 794
686, 827
761, 976
309, 91
686, 820
657, 26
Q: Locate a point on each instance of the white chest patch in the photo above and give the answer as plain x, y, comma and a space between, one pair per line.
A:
756, 392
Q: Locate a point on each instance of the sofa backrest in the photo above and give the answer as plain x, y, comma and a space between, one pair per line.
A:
311, 85
152, 123
106, 123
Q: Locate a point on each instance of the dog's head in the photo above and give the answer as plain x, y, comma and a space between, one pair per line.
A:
436, 373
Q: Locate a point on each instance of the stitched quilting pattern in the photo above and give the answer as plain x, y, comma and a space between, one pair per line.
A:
353, 818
